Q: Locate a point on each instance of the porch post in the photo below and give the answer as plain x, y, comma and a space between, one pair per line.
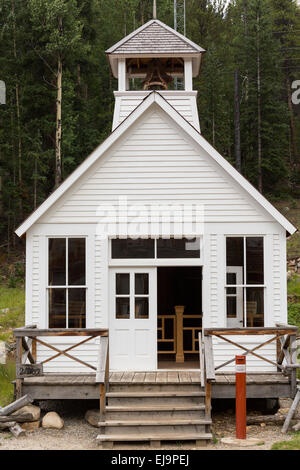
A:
179, 309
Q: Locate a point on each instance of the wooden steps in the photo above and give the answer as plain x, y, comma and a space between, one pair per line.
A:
154, 440
169, 413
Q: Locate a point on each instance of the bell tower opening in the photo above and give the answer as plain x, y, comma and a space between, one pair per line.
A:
153, 58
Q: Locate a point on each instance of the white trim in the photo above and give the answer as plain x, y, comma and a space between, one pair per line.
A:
155, 97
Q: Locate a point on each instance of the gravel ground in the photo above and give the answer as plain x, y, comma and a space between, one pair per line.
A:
79, 435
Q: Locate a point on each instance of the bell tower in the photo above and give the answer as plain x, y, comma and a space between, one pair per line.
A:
151, 58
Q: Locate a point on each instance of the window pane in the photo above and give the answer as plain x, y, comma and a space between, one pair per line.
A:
255, 306
122, 284
57, 261
182, 248
235, 251
255, 260
141, 284
231, 279
231, 307
122, 307
140, 248
76, 308
141, 307
57, 308
76, 261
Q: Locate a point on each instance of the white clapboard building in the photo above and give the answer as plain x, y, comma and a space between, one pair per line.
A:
155, 236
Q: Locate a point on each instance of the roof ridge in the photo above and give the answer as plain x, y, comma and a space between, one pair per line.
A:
126, 39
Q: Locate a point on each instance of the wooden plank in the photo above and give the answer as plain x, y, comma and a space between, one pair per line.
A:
201, 360
127, 377
209, 359
16, 405
208, 394
27, 354
291, 412
150, 377
195, 377
173, 377
184, 377
22, 418
116, 377
19, 351
161, 377
250, 331
33, 333
138, 377
102, 361
28, 370
293, 353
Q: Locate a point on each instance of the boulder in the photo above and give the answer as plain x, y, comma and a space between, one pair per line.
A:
93, 417
30, 427
52, 420
35, 412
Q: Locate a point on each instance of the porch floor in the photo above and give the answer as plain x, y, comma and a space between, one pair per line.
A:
82, 386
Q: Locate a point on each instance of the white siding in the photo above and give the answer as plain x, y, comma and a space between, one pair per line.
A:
184, 102
36, 275
156, 163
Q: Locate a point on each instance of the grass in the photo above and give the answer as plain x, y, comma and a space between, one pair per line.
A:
294, 444
7, 375
12, 299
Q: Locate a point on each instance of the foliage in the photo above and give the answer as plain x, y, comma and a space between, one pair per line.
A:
34, 33
12, 311
293, 444
7, 375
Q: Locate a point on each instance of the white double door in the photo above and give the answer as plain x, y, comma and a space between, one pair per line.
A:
133, 319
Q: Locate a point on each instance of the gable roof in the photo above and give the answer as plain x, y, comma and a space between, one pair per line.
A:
157, 98
155, 37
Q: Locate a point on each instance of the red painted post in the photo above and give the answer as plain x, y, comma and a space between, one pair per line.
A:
240, 396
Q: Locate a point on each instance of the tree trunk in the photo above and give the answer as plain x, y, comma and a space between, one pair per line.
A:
237, 123
259, 145
58, 167
17, 94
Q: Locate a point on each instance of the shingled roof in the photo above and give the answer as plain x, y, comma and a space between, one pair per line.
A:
155, 37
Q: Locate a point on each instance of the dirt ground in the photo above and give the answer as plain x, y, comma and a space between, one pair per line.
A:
77, 434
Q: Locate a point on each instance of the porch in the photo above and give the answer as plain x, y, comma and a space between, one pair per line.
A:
83, 386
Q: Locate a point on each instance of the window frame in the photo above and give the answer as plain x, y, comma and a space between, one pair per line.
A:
128, 262
67, 286
246, 286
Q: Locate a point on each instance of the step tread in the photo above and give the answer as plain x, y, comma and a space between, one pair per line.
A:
155, 437
157, 422
173, 407
154, 394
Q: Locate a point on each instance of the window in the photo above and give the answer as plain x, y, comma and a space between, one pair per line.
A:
132, 289
67, 283
245, 281
155, 249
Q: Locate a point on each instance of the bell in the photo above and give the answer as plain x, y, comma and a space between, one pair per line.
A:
156, 78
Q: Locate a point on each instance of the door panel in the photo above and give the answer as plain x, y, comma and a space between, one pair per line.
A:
234, 297
133, 317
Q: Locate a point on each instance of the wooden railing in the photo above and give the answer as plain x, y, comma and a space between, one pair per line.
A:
178, 330
284, 335
26, 357
207, 370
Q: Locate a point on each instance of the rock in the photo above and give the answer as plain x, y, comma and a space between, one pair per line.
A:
30, 427
2, 352
283, 411
92, 417
232, 441
262, 425
35, 411
52, 420
285, 402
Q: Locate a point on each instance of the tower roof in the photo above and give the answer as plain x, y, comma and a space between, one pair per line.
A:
155, 39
